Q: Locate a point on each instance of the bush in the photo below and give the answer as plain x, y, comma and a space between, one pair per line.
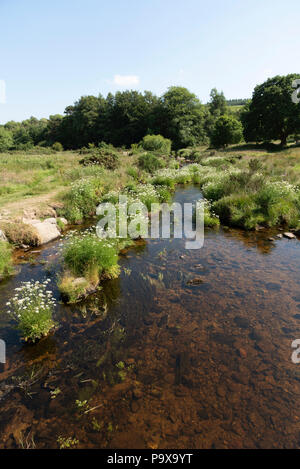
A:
57, 146
163, 181
239, 210
19, 233
32, 308
278, 201
82, 199
103, 156
5, 259
157, 144
150, 162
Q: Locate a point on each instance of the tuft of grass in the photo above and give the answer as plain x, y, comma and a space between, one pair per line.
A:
19, 233
6, 267
88, 261
71, 288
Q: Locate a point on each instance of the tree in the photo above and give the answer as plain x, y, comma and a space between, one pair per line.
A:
217, 104
227, 130
183, 117
128, 116
271, 114
6, 139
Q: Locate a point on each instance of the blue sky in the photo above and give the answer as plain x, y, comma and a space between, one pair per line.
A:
51, 53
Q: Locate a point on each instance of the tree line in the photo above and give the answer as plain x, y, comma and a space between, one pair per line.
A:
124, 118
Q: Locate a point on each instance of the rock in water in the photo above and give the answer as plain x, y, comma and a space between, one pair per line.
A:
289, 235
46, 230
195, 281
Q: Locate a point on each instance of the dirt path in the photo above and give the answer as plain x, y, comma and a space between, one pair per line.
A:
37, 203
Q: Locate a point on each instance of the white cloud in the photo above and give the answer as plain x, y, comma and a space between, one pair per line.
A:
126, 80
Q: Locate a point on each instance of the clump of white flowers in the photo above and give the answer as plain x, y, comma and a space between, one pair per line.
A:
32, 308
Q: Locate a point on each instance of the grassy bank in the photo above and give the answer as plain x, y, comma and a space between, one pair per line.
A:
245, 186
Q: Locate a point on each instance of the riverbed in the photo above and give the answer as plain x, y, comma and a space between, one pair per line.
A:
155, 361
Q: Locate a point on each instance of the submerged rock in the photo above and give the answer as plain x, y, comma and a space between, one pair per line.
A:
195, 281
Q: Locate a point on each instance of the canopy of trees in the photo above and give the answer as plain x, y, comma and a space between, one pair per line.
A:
126, 117
272, 115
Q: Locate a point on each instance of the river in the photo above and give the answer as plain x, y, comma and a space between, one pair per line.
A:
155, 362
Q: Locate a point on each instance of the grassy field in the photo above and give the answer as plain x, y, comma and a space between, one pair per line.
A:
33, 180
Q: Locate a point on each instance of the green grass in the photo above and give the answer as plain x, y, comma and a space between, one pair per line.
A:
5, 259
24, 174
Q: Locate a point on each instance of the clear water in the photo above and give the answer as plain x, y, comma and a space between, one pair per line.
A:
162, 363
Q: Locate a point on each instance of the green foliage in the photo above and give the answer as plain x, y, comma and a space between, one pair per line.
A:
190, 154
227, 130
132, 172
271, 114
6, 139
72, 289
238, 210
149, 162
32, 308
182, 117
217, 104
211, 219
157, 144
103, 156
89, 255
5, 259
82, 199
57, 146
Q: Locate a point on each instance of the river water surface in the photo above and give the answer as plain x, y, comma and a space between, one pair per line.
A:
160, 362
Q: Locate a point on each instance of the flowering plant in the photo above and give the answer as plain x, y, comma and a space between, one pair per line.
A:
32, 308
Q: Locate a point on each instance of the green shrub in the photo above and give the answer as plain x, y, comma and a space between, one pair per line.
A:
278, 201
217, 161
164, 194
227, 131
239, 210
57, 146
163, 181
32, 308
150, 162
5, 259
157, 144
104, 156
82, 199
